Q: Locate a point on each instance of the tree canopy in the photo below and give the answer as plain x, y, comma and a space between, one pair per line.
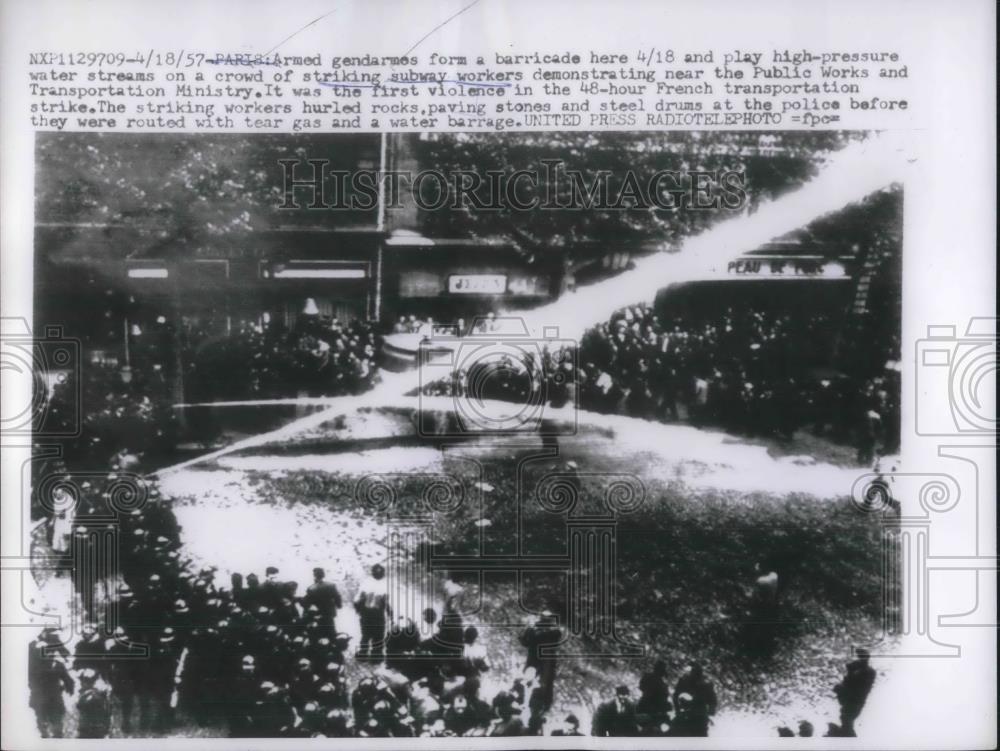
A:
180, 193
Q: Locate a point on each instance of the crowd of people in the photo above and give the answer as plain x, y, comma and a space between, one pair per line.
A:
252, 657
427, 327
752, 371
319, 356
268, 661
106, 414
263, 659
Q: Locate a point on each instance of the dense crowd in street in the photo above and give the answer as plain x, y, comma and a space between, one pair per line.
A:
262, 360
266, 660
258, 657
157, 644
261, 658
750, 371
753, 372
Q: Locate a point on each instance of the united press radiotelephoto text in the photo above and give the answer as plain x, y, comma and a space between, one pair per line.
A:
642, 89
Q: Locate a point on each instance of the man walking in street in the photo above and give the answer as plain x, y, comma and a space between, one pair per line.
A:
325, 596
852, 692
372, 606
540, 639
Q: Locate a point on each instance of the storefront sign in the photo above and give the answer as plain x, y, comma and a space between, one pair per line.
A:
786, 267
477, 284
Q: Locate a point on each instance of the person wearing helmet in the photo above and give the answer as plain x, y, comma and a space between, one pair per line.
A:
273, 714
401, 644
157, 681
241, 703
304, 685
93, 706
123, 671
337, 724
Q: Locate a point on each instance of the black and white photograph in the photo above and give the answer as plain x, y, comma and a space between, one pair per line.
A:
498, 374
465, 435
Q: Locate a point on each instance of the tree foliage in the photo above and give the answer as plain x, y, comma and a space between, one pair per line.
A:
771, 164
179, 193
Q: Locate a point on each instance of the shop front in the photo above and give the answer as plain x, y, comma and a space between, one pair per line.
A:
454, 281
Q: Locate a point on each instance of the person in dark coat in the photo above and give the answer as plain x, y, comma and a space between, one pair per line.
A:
450, 632
272, 589
304, 686
90, 652
241, 704
690, 720
699, 701
48, 679
508, 722
654, 705
325, 596
852, 692
474, 658
93, 706
401, 645
616, 718
156, 681
273, 713
250, 596
462, 719
539, 638
124, 666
